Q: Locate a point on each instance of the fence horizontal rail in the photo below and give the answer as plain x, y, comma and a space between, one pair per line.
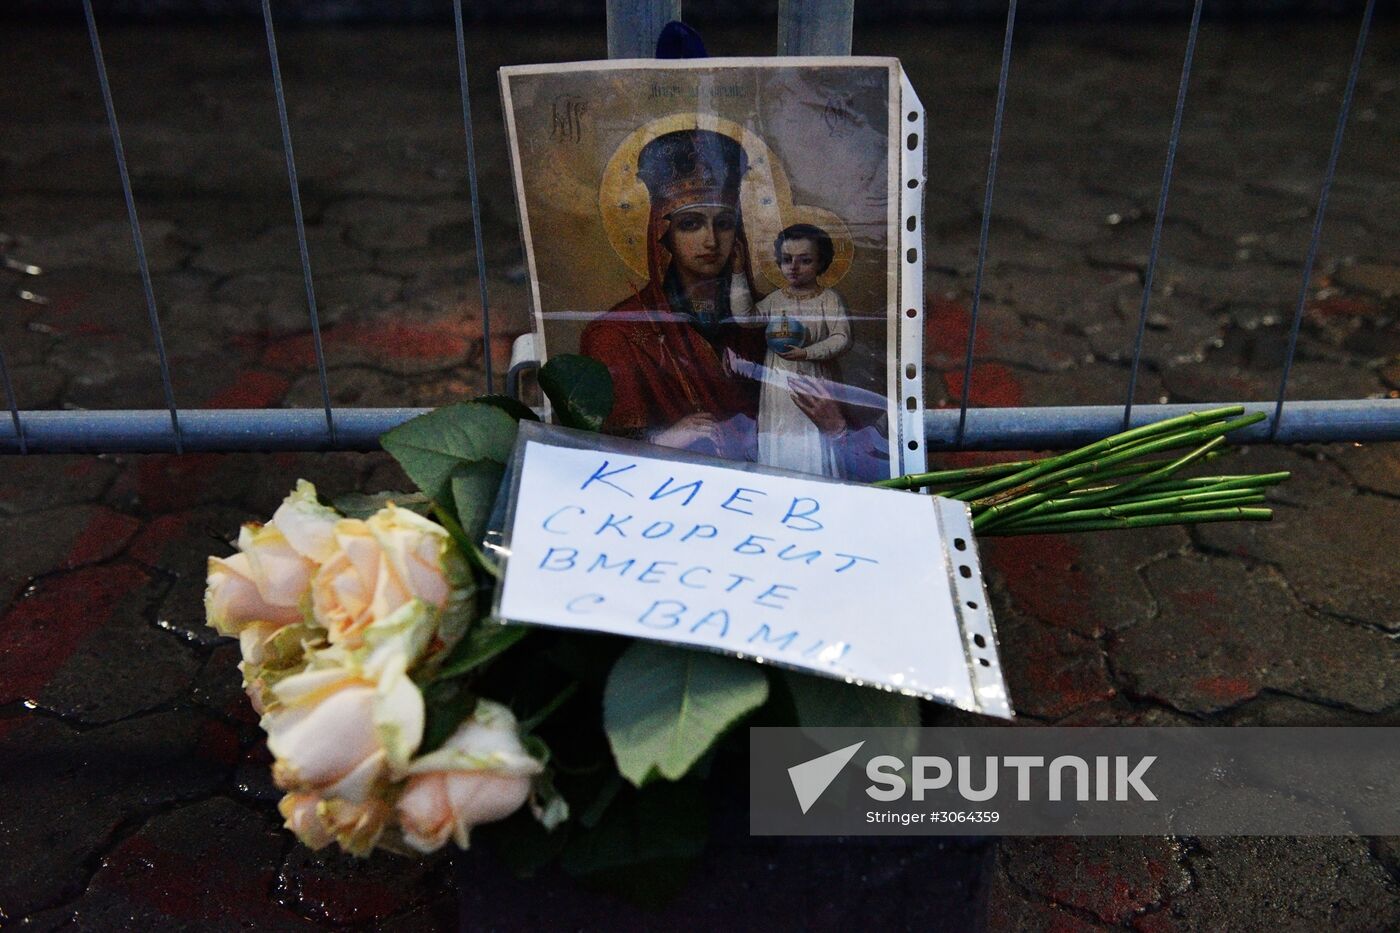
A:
1059, 427
304, 429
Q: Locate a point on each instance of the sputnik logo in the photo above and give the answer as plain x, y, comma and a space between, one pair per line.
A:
811, 778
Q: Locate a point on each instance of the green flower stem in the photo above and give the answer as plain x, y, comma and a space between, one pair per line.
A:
1197, 484
1108, 484
1113, 458
1088, 453
1175, 504
1150, 495
1000, 512
953, 478
955, 490
1146, 521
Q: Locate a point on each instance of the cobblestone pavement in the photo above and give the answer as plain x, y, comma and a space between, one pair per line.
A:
135, 787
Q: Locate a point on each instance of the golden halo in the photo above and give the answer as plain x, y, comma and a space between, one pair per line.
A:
765, 198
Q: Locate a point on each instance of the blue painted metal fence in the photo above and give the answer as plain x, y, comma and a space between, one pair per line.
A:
176, 430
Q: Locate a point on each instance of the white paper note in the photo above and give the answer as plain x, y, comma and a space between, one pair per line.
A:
850, 581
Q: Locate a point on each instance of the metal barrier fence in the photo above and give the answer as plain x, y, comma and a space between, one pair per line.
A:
806, 27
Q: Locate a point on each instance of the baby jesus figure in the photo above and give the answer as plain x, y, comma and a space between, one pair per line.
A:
808, 328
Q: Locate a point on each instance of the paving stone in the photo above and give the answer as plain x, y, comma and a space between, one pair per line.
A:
385, 473
1124, 711
460, 384
439, 913
219, 686
388, 226
79, 645
340, 889
1314, 522
333, 473
159, 483
1178, 331
1313, 883
411, 346
1276, 709
1077, 298
1099, 383
1129, 245
29, 483
107, 246
1380, 280
80, 306
67, 792
1050, 672
1226, 631
1085, 583
1213, 381
111, 371
277, 249
206, 866
259, 306
253, 778
178, 545
1113, 879
37, 387
1011, 907
1373, 467
350, 387
59, 539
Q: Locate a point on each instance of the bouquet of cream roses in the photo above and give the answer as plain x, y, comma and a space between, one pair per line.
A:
340, 620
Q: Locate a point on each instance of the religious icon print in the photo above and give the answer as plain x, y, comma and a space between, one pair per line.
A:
723, 235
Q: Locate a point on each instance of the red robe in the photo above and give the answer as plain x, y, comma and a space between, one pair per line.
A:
664, 369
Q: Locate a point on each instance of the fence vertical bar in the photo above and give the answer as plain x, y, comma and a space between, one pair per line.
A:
297, 214
1323, 192
142, 262
472, 187
815, 27
635, 25
1161, 215
986, 218
13, 403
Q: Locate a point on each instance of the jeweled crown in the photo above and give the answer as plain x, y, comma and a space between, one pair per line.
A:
692, 167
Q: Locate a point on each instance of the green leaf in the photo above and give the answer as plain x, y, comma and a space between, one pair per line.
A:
580, 390
474, 488
362, 505
447, 704
513, 407
486, 639
432, 447
825, 701
663, 707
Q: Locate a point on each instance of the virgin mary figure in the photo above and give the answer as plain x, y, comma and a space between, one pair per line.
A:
671, 345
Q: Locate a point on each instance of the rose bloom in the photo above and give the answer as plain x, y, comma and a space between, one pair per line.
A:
299, 811
338, 733
269, 579
480, 775
375, 567
318, 822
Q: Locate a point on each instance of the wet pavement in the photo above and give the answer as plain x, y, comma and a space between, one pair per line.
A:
133, 784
